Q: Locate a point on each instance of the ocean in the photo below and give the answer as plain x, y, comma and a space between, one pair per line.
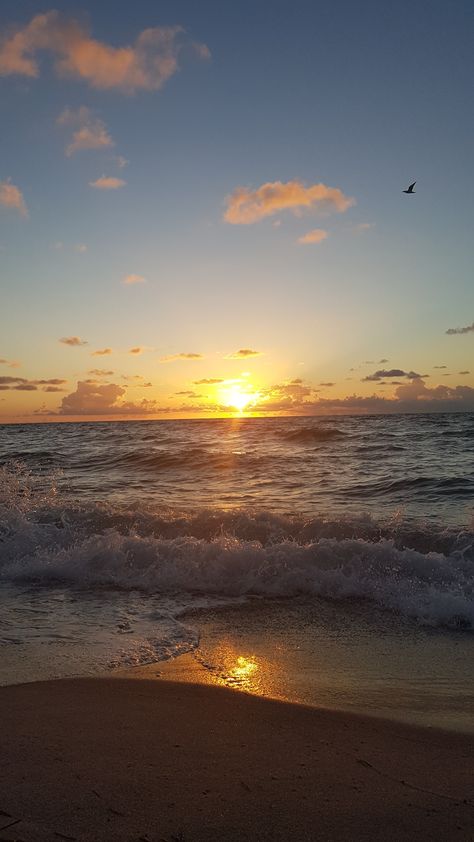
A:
324, 560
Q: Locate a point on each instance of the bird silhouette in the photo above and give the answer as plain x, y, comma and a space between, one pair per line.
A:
409, 189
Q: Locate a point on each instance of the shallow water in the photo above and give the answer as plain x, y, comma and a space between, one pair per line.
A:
112, 535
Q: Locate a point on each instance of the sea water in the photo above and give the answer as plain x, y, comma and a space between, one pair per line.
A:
325, 560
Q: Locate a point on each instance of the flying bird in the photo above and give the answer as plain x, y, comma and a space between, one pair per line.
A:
410, 188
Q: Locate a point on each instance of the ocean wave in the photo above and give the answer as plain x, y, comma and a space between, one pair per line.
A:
303, 435
416, 570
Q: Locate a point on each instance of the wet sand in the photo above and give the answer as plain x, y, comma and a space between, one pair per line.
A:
127, 759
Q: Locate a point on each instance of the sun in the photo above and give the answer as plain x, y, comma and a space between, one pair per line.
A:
238, 398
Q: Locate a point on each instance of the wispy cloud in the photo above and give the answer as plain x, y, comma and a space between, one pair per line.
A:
107, 182
245, 206
11, 198
10, 363
147, 64
362, 227
102, 352
90, 131
317, 235
208, 381
393, 372
21, 384
243, 353
137, 350
456, 330
128, 280
183, 356
73, 341
100, 372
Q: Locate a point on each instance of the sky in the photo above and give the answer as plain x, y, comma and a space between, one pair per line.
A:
202, 208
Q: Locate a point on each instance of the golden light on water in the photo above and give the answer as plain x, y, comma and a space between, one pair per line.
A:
241, 673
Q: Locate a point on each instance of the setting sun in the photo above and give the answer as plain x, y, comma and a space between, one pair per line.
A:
238, 398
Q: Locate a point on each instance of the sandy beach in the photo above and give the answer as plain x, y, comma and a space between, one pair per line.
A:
139, 760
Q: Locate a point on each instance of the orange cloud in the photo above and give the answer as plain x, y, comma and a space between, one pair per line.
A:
245, 206
207, 381
11, 197
137, 350
100, 372
72, 341
91, 133
133, 279
172, 357
317, 235
147, 64
106, 182
102, 352
243, 353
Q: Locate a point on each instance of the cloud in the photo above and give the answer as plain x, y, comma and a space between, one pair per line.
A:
133, 279
189, 394
10, 363
136, 350
11, 198
208, 381
147, 64
464, 372
381, 362
189, 356
393, 372
107, 182
21, 384
452, 331
327, 384
246, 206
121, 161
440, 366
243, 354
102, 352
73, 341
92, 398
100, 372
317, 235
362, 227
90, 131
80, 247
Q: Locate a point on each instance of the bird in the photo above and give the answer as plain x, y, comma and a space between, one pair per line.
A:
409, 189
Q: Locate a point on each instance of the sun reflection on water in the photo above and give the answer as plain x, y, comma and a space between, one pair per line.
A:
243, 673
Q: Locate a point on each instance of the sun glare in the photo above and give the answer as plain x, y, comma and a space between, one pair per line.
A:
238, 398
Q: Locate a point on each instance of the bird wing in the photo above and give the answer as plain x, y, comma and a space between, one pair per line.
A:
412, 186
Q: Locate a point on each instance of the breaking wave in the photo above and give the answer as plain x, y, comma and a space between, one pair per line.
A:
420, 571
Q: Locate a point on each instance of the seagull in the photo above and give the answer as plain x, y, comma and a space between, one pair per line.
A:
409, 189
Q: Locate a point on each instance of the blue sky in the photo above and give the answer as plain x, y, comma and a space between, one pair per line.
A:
356, 97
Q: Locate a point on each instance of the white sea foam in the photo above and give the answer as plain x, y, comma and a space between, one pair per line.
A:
250, 554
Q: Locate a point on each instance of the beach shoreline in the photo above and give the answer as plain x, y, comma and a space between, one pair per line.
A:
128, 758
